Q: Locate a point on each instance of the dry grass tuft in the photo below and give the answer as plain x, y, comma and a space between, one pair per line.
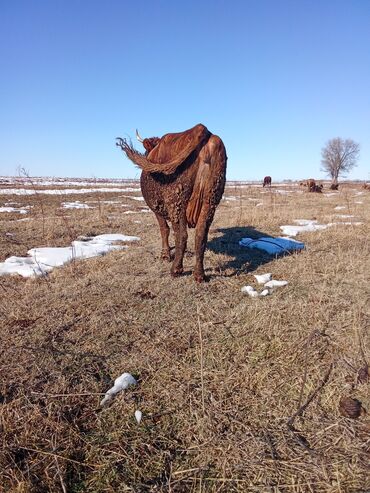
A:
237, 394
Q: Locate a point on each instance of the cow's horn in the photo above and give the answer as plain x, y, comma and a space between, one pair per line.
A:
140, 139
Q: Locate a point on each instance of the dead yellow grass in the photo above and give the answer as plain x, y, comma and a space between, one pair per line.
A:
221, 375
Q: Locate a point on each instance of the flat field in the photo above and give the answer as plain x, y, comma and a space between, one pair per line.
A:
237, 394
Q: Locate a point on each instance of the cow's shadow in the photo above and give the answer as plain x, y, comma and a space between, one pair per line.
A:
242, 259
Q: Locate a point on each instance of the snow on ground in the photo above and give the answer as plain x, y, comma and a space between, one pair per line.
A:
137, 212
340, 207
76, 205
269, 285
66, 191
21, 210
67, 181
133, 197
123, 382
263, 278
272, 245
275, 284
348, 223
344, 216
303, 225
40, 261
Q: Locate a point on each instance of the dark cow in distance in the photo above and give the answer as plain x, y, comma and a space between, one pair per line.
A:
182, 181
266, 181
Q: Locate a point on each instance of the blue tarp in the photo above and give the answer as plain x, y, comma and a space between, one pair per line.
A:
271, 245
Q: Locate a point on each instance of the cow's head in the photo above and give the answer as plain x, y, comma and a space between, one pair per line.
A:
148, 144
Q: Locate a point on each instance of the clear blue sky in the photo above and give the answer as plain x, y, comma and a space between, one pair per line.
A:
275, 79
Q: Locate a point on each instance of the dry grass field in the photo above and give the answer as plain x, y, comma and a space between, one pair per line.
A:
238, 394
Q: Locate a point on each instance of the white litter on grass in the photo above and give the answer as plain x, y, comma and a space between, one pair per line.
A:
14, 209
272, 245
138, 416
344, 216
42, 260
358, 202
303, 225
339, 207
76, 205
259, 204
230, 198
275, 284
263, 278
123, 382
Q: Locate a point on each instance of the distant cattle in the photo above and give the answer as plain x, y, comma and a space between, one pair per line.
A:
334, 186
312, 186
182, 181
366, 186
266, 181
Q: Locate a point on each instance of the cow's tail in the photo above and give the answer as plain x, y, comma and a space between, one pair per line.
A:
209, 182
180, 151
143, 162
196, 200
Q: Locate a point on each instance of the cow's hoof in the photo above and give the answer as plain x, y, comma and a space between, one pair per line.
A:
166, 257
177, 272
199, 277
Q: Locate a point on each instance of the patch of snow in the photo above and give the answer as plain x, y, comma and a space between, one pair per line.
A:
340, 207
76, 205
14, 209
263, 278
141, 199
275, 284
138, 416
265, 292
65, 191
358, 202
344, 216
303, 225
250, 291
42, 260
259, 204
272, 245
123, 382
346, 223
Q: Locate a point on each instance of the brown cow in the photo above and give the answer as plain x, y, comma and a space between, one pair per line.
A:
182, 181
312, 186
266, 181
334, 186
366, 186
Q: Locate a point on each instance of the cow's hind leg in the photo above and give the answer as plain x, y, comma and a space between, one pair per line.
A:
181, 236
201, 235
165, 232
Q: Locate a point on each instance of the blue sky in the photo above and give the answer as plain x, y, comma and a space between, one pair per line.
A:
274, 79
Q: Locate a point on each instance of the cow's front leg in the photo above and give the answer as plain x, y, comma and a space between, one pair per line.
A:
181, 236
165, 232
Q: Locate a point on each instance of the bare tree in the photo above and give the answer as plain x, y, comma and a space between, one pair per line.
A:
339, 156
